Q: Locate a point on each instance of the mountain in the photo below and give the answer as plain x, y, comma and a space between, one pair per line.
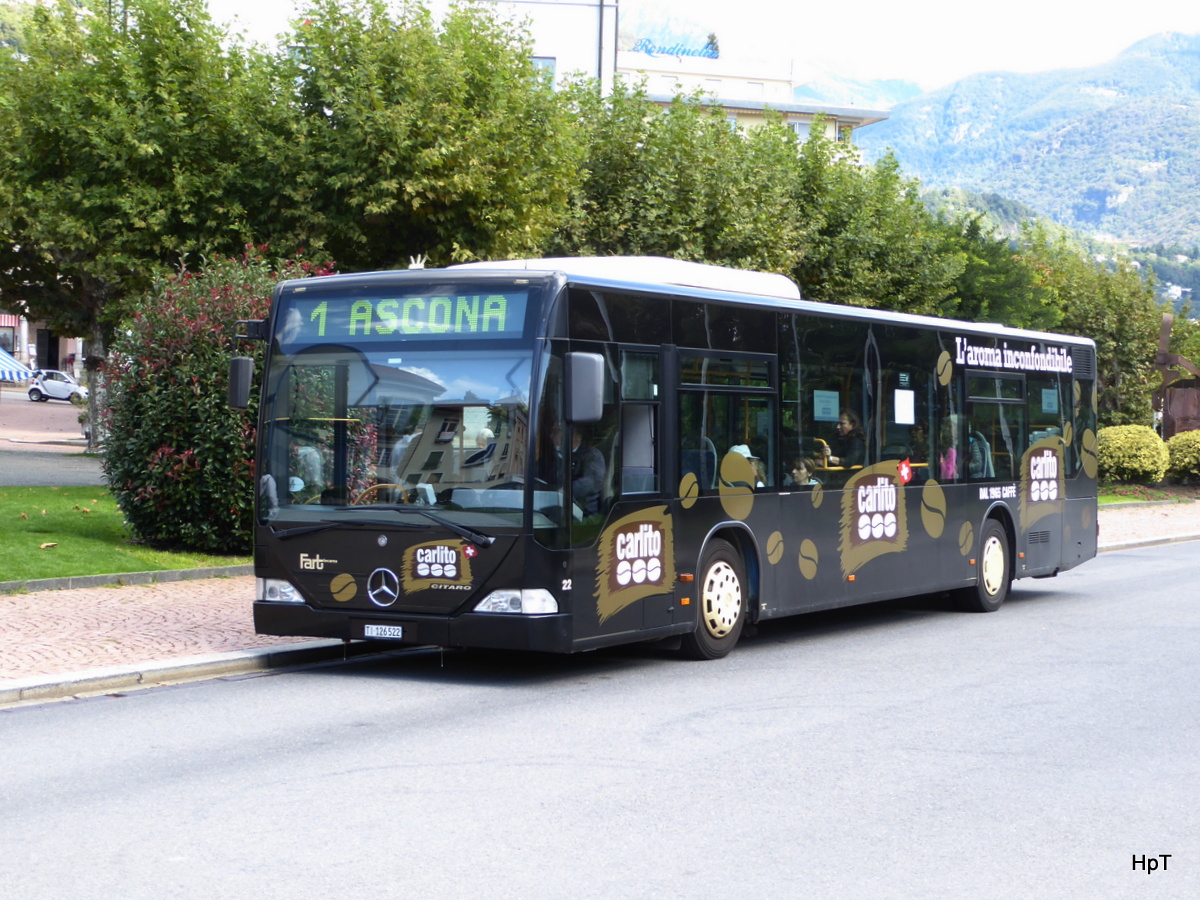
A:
1112, 150
826, 87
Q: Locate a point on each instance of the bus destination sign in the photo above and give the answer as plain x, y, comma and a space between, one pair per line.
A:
353, 318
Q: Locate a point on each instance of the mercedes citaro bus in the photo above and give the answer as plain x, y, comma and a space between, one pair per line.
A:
565, 454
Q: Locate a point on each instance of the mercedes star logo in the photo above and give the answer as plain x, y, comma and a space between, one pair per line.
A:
383, 587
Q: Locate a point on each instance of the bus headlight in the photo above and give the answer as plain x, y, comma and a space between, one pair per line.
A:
529, 602
276, 590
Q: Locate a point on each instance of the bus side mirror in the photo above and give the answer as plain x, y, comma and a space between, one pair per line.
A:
241, 375
585, 387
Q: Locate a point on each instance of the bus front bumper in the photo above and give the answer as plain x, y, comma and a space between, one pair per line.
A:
544, 633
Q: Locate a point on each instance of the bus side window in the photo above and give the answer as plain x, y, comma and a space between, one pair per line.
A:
638, 472
639, 419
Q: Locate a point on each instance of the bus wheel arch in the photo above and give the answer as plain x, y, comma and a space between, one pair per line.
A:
723, 598
994, 568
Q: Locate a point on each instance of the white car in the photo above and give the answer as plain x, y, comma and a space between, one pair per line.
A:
51, 384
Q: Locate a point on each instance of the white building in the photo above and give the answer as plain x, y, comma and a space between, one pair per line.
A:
673, 57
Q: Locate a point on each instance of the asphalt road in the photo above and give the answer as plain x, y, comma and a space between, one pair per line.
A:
41, 444
898, 750
39, 468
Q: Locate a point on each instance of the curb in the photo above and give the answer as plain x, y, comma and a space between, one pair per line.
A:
124, 578
43, 688
1148, 542
78, 443
1129, 504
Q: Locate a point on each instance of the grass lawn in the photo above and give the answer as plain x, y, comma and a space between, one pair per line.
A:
55, 532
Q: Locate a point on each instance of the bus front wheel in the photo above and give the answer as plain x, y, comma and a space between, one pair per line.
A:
993, 572
722, 603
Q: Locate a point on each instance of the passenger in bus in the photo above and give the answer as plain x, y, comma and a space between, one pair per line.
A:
802, 473
979, 456
587, 475
918, 441
760, 471
948, 457
850, 444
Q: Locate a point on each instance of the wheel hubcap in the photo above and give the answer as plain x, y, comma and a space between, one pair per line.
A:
722, 599
992, 569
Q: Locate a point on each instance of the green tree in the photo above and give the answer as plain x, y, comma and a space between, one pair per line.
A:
128, 144
1115, 308
996, 284
678, 182
869, 240
415, 137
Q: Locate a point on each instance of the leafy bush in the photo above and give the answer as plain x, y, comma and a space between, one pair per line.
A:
179, 461
1132, 453
1184, 452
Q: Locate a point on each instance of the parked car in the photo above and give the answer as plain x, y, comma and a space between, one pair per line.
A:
51, 384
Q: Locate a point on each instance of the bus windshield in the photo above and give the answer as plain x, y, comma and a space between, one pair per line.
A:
389, 420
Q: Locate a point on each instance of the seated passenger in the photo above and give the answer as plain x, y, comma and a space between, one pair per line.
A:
802, 473
760, 470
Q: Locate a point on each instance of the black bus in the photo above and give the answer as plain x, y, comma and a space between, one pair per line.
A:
565, 454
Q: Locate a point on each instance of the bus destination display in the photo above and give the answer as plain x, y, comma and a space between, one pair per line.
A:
342, 319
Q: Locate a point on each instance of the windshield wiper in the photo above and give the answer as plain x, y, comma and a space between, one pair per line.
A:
330, 524
467, 534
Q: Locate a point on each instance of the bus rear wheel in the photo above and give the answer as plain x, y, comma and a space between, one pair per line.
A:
722, 601
993, 573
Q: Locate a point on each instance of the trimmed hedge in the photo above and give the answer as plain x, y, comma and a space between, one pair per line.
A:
179, 461
1184, 452
1131, 453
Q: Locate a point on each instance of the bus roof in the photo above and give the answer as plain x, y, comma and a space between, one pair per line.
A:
656, 270
644, 271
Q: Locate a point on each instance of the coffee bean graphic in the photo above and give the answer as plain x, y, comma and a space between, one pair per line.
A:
1087, 453
343, 587
966, 539
933, 509
945, 368
775, 548
808, 559
689, 490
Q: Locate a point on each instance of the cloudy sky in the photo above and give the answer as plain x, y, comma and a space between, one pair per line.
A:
932, 42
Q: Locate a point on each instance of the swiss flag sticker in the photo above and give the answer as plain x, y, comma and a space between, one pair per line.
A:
905, 470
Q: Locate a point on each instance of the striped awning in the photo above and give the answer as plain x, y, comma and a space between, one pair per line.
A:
8, 320
11, 370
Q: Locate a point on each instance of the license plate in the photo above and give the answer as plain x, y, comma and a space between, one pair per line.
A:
384, 632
